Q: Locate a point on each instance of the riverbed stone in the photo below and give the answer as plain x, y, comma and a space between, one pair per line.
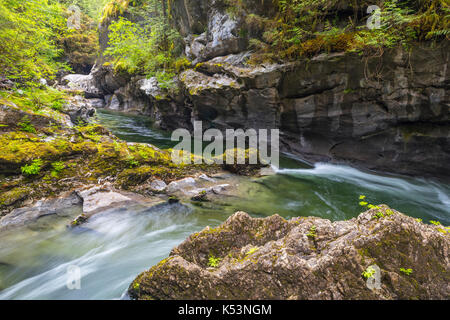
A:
158, 186
66, 205
100, 197
181, 185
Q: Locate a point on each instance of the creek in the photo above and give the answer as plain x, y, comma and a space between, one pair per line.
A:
118, 244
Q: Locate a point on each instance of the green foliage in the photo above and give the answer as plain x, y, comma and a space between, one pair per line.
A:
33, 99
312, 232
436, 223
28, 35
81, 46
91, 8
368, 273
57, 105
36, 41
33, 169
379, 213
113, 8
213, 262
150, 47
132, 162
57, 168
406, 271
26, 125
309, 27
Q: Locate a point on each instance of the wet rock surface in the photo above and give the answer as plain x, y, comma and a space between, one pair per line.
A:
305, 258
64, 206
388, 113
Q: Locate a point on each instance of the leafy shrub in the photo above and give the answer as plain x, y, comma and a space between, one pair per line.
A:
33, 169
28, 37
150, 47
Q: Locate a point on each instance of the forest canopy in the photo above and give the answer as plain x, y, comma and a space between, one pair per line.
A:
36, 42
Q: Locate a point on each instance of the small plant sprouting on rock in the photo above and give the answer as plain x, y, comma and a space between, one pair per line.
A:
79, 220
200, 197
362, 202
419, 220
379, 214
32, 169
441, 228
26, 125
368, 273
136, 286
312, 232
132, 162
57, 168
213, 261
406, 271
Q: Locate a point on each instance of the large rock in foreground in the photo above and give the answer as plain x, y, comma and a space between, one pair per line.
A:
305, 258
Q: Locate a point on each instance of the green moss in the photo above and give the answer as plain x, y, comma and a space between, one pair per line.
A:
26, 125
11, 197
20, 148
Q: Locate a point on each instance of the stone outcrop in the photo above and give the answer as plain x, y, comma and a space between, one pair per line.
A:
66, 205
387, 113
369, 257
85, 83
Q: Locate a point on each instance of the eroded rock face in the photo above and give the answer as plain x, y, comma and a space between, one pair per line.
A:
388, 113
86, 83
81, 110
64, 206
98, 198
305, 258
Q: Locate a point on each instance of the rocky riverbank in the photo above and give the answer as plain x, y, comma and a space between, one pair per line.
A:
381, 254
47, 161
386, 111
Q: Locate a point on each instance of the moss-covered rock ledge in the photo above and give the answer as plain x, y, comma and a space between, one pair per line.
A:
44, 153
305, 258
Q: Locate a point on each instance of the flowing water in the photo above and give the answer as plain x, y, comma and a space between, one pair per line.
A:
118, 244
